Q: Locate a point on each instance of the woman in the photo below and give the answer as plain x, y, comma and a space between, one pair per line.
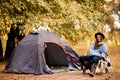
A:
96, 49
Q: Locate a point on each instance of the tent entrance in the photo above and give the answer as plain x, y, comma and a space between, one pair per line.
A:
55, 56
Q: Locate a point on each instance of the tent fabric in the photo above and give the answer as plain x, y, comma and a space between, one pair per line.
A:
39, 50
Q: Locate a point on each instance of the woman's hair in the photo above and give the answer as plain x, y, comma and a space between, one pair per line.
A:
99, 33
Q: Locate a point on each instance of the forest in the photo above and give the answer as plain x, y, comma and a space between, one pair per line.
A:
75, 21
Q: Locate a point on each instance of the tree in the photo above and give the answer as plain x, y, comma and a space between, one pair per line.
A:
71, 19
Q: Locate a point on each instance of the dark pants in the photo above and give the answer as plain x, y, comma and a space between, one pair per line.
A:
84, 60
88, 61
95, 59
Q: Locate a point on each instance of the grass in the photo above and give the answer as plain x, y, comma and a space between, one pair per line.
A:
114, 53
2, 65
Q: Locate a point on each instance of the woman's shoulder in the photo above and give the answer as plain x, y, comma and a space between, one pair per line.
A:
92, 43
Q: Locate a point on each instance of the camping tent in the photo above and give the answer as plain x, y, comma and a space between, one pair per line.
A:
39, 50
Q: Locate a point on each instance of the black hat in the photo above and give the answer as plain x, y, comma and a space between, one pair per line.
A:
99, 33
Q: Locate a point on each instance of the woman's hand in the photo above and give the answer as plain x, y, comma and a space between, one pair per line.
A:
97, 45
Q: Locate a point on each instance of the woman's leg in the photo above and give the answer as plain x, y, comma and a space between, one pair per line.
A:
95, 60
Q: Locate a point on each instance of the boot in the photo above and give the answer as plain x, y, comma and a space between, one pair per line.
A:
93, 69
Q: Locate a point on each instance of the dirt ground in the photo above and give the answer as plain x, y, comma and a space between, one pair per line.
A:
69, 75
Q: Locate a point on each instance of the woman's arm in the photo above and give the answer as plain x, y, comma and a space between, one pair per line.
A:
104, 48
92, 47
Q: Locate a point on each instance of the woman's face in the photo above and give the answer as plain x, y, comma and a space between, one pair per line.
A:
99, 38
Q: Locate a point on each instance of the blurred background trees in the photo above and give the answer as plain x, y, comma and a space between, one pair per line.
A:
74, 20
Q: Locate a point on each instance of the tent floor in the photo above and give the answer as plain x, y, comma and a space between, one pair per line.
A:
57, 69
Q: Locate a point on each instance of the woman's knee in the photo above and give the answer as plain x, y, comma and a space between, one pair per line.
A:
95, 59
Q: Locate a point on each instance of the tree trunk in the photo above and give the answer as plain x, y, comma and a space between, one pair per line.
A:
1, 51
13, 39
